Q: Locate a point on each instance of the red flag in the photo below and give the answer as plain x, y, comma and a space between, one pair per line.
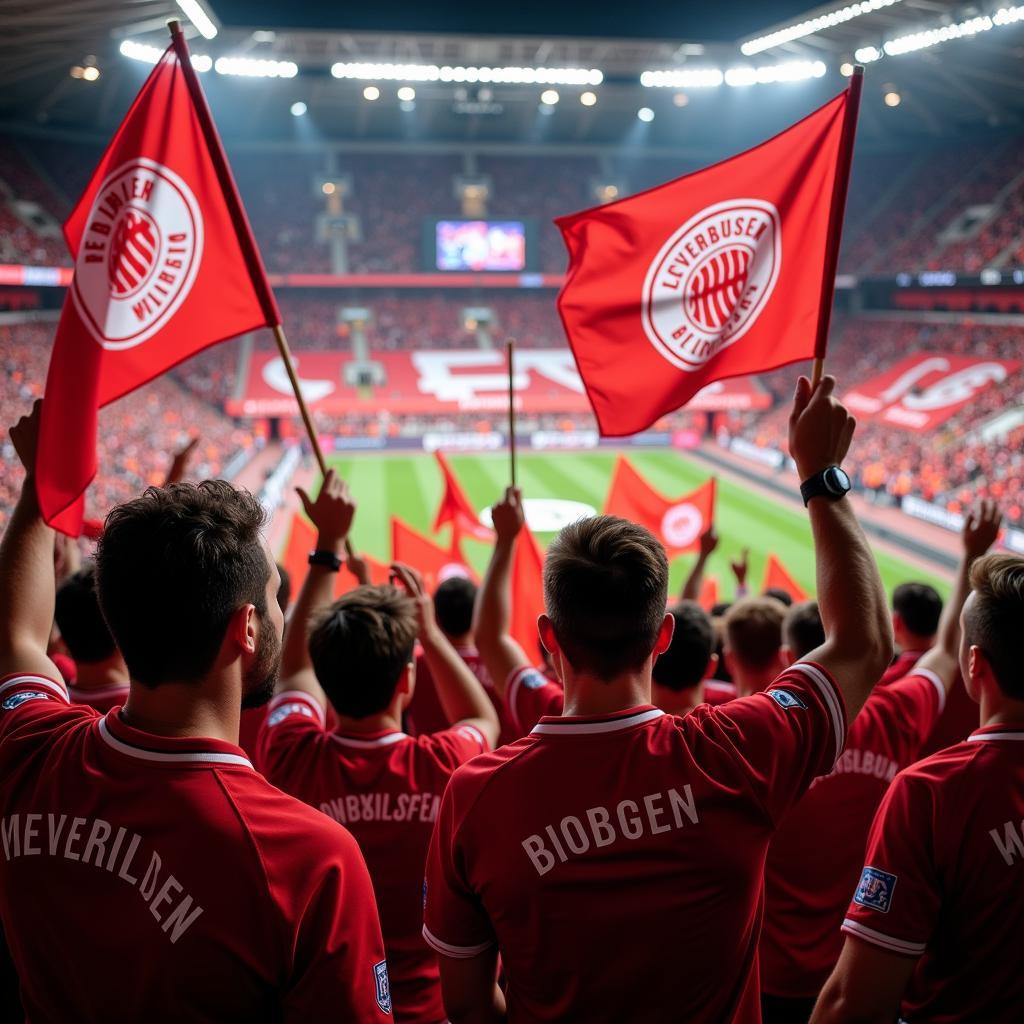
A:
527, 592
301, 541
678, 523
165, 265
433, 562
455, 507
726, 271
708, 596
777, 577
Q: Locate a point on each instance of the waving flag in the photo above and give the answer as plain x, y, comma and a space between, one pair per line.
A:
434, 563
723, 272
678, 523
777, 577
165, 265
527, 592
455, 507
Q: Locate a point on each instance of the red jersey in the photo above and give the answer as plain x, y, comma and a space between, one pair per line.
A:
901, 666
102, 698
530, 696
617, 861
386, 789
944, 880
225, 899
252, 721
716, 692
816, 856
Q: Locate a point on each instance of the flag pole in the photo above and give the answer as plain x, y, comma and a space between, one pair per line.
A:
510, 348
840, 187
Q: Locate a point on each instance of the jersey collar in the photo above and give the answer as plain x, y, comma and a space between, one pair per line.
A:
145, 746
997, 732
367, 741
580, 725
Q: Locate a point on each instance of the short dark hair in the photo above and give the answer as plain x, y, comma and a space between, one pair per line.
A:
685, 663
79, 619
605, 589
359, 646
779, 594
993, 621
284, 592
719, 609
453, 605
753, 630
172, 567
802, 629
919, 606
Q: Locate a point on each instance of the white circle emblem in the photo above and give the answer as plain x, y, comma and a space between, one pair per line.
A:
709, 283
681, 525
548, 515
139, 254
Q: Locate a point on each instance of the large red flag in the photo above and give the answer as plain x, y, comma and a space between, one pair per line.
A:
777, 577
434, 563
455, 507
726, 271
527, 592
678, 523
165, 265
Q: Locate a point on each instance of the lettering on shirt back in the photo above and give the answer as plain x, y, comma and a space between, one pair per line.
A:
598, 827
356, 807
1011, 844
99, 844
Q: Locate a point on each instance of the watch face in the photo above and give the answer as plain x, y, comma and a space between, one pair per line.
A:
836, 480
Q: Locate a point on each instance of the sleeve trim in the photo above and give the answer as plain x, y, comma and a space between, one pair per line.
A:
54, 687
833, 701
475, 732
288, 696
940, 686
455, 952
883, 941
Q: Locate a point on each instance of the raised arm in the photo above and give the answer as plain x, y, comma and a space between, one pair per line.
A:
331, 514
27, 584
492, 616
858, 632
462, 696
180, 460
708, 543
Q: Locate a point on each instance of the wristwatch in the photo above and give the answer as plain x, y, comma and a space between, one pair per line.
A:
831, 483
328, 559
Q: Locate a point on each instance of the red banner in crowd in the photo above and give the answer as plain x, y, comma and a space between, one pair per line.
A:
777, 577
455, 507
165, 265
723, 272
527, 592
924, 390
678, 523
434, 562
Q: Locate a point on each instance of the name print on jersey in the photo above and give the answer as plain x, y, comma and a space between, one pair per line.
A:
88, 841
382, 807
602, 827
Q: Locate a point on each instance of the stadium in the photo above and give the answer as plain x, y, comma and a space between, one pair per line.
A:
401, 169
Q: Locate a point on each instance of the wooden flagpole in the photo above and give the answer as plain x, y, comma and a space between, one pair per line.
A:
510, 348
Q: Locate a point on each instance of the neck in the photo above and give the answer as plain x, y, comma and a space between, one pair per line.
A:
1000, 710
389, 720
466, 640
100, 674
587, 695
210, 709
749, 682
679, 703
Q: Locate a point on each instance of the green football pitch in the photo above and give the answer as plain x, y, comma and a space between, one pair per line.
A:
410, 487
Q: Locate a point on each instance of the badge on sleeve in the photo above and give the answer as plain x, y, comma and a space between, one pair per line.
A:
279, 714
17, 699
533, 680
874, 890
786, 699
380, 976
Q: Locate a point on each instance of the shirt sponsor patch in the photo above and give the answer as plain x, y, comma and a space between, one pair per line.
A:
786, 699
281, 713
874, 890
533, 680
380, 976
16, 699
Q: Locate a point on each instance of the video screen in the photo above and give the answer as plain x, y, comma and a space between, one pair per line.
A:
480, 245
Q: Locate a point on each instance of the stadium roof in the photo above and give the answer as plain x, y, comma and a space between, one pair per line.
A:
61, 68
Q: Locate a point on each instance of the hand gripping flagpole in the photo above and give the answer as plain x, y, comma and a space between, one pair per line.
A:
840, 187
243, 230
510, 348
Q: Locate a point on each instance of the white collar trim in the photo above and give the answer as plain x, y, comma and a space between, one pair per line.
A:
380, 741
166, 756
564, 728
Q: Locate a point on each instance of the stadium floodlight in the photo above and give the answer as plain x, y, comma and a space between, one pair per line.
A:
683, 78
407, 94
892, 98
645, 114
588, 99
251, 67
790, 71
367, 71
151, 54
846, 69
371, 93
549, 96
934, 36
813, 25
193, 10
376, 72
868, 55
298, 108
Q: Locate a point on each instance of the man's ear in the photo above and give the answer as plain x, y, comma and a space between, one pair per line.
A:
407, 680
665, 631
243, 629
546, 630
712, 667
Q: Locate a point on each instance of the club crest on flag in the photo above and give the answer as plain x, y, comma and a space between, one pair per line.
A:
708, 284
682, 525
139, 255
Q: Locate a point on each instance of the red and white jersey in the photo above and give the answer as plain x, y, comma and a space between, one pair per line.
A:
102, 698
816, 855
943, 880
530, 696
901, 666
386, 790
616, 862
145, 878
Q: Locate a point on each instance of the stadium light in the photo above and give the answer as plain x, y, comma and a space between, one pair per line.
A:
298, 108
892, 98
868, 55
193, 10
151, 54
251, 67
813, 25
549, 96
366, 71
588, 99
645, 114
846, 69
407, 94
683, 78
914, 41
371, 93
790, 71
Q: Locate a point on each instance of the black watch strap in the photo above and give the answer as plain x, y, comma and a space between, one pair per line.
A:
327, 559
831, 483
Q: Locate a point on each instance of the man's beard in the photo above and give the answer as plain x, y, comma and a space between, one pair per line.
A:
260, 680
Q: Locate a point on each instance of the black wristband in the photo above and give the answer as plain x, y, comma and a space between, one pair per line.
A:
326, 559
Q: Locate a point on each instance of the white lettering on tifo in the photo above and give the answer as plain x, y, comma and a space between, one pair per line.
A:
95, 842
597, 827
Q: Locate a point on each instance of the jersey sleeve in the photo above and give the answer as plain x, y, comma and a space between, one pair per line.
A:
530, 695
897, 900
455, 923
31, 706
779, 740
291, 717
455, 746
913, 705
